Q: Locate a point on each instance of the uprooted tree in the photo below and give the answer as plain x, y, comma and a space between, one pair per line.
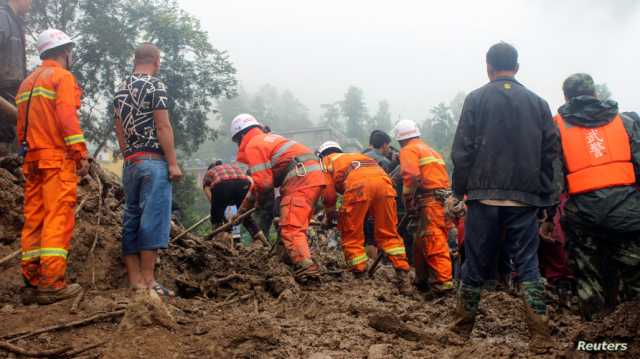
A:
106, 33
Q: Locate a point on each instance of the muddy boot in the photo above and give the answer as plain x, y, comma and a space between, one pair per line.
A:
28, 295
535, 312
465, 314
307, 272
51, 296
403, 282
441, 289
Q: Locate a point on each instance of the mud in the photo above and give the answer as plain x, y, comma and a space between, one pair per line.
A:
244, 303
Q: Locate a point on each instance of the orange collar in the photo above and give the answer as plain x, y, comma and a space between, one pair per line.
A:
241, 156
50, 63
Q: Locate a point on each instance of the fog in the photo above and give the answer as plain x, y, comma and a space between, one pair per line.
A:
416, 54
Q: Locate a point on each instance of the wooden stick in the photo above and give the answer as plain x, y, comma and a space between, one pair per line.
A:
197, 224
36, 354
232, 223
76, 302
28, 333
9, 109
85, 348
95, 239
10, 257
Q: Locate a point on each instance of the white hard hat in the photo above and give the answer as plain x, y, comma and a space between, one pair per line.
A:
327, 145
405, 129
50, 39
242, 122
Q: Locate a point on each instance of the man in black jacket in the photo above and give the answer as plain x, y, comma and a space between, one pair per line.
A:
13, 62
601, 218
503, 156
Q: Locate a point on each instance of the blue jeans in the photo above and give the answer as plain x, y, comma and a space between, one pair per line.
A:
482, 240
147, 215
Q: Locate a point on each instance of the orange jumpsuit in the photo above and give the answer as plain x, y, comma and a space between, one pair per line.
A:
423, 170
367, 189
56, 144
270, 159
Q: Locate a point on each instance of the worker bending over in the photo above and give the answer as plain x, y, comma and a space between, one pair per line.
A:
225, 184
366, 188
275, 161
425, 188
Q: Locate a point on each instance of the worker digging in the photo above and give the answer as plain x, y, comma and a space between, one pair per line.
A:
492, 229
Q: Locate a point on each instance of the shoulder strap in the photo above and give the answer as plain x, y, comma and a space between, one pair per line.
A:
26, 115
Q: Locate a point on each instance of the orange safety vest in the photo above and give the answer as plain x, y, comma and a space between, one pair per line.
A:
419, 161
339, 165
269, 157
596, 158
54, 128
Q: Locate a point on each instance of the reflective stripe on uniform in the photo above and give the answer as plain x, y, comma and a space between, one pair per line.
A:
30, 254
44, 252
53, 252
429, 160
281, 151
395, 251
37, 91
359, 259
73, 139
259, 167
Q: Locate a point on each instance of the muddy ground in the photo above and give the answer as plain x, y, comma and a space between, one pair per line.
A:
244, 304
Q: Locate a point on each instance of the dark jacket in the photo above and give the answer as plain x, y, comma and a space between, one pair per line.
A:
615, 209
13, 61
386, 164
505, 146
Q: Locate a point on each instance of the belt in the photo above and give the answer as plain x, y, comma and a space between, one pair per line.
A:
138, 159
297, 168
441, 194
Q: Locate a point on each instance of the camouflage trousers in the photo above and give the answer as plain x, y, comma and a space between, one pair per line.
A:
606, 266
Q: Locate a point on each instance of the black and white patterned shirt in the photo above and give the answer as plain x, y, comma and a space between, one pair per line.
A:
134, 104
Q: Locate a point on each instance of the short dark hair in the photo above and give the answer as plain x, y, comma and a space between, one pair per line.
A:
378, 139
503, 57
214, 164
55, 52
146, 53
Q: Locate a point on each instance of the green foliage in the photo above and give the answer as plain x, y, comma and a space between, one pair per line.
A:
190, 202
107, 33
440, 127
332, 115
382, 119
279, 110
355, 111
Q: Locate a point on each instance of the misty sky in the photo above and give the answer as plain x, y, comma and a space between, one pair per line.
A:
418, 53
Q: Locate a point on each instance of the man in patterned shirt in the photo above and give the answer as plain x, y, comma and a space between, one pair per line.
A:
145, 136
226, 185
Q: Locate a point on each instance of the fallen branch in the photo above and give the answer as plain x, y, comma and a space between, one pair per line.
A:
9, 257
79, 208
95, 239
34, 354
232, 301
83, 349
76, 303
29, 333
388, 323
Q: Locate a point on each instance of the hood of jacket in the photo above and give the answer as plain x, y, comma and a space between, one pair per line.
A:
588, 111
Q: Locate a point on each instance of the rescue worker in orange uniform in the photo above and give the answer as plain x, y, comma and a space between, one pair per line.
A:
425, 188
601, 217
366, 188
275, 161
55, 155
